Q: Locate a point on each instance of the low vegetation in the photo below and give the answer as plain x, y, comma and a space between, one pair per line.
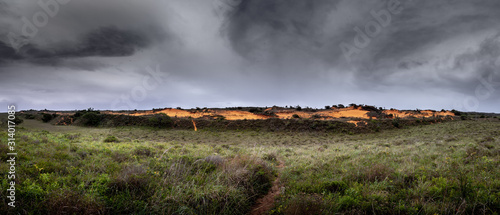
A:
442, 168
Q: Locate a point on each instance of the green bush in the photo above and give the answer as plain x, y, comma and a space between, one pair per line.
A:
91, 119
316, 116
254, 110
221, 118
18, 120
80, 113
111, 139
395, 123
47, 117
160, 121
29, 116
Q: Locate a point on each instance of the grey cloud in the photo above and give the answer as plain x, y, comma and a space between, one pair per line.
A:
7, 52
487, 53
105, 41
260, 52
79, 29
275, 29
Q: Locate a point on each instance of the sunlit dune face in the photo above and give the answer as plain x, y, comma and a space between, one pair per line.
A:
326, 114
423, 113
349, 112
282, 113
171, 113
239, 115
228, 114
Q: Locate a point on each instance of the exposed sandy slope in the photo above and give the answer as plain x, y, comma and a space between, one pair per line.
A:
423, 113
354, 115
228, 114
334, 113
282, 114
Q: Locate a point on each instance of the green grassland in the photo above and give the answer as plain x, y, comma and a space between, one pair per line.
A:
442, 168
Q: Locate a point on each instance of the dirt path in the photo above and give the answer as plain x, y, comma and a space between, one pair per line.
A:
265, 203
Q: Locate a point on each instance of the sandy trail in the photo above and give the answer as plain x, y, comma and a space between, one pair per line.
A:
265, 203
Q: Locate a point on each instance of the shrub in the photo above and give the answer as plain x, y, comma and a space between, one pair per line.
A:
253, 175
160, 121
395, 123
254, 110
46, 117
270, 156
304, 204
295, 116
132, 179
334, 186
91, 119
71, 202
111, 139
316, 116
269, 113
143, 151
18, 120
298, 108
457, 113
4, 149
83, 112
29, 116
327, 107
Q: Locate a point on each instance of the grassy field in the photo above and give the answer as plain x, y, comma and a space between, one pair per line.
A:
445, 168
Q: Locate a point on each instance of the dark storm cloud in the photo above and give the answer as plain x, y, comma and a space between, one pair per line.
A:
7, 52
99, 34
105, 41
256, 52
275, 29
484, 62
428, 45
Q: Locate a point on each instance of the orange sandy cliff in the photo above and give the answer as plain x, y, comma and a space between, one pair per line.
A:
286, 113
353, 114
423, 113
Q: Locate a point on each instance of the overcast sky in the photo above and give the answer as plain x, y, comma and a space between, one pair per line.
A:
129, 54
